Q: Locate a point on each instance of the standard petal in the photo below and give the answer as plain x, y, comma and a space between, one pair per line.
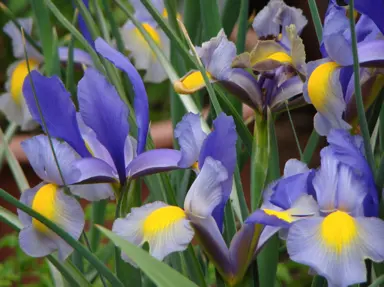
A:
190, 136
40, 156
374, 9
164, 227
93, 170
217, 55
153, 161
93, 192
56, 107
351, 191
307, 245
294, 166
206, 191
79, 56
326, 180
370, 53
141, 99
17, 40
142, 14
95, 94
348, 149
221, 146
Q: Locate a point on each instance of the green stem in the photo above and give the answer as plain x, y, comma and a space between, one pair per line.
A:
259, 160
316, 19
359, 99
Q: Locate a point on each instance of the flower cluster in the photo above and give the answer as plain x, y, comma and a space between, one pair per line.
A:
95, 144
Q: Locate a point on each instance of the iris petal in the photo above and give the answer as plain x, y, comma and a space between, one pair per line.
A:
141, 99
164, 227
221, 146
95, 94
190, 136
56, 107
206, 191
40, 156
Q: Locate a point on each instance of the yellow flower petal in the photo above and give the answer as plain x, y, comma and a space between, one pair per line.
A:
161, 219
18, 76
191, 83
45, 204
338, 230
319, 84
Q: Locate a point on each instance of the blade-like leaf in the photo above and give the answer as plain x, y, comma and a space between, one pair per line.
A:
160, 273
71, 274
65, 236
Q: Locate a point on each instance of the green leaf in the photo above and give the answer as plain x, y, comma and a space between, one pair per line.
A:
243, 27
46, 36
319, 281
66, 268
359, 99
316, 19
9, 133
14, 165
103, 270
378, 282
311, 146
192, 18
259, 159
210, 18
230, 15
160, 273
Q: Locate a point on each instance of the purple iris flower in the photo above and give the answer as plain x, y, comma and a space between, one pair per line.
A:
102, 123
50, 199
287, 200
220, 144
217, 56
330, 82
336, 242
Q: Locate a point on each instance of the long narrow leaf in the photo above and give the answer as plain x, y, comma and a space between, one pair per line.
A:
72, 275
359, 98
160, 273
65, 236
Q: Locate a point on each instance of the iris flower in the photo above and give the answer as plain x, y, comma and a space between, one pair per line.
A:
337, 241
169, 229
278, 27
332, 235
49, 199
220, 145
102, 139
285, 201
12, 103
330, 81
217, 56
138, 47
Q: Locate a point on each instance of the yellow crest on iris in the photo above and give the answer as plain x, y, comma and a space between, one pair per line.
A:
319, 84
161, 219
45, 203
283, 215
18, 76
338, 230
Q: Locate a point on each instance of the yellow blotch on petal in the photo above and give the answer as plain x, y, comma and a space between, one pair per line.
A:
151, 31
280, 57
283, 215
161, 219
45, 204
191, 83
18, 76
319, 84
338, 230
